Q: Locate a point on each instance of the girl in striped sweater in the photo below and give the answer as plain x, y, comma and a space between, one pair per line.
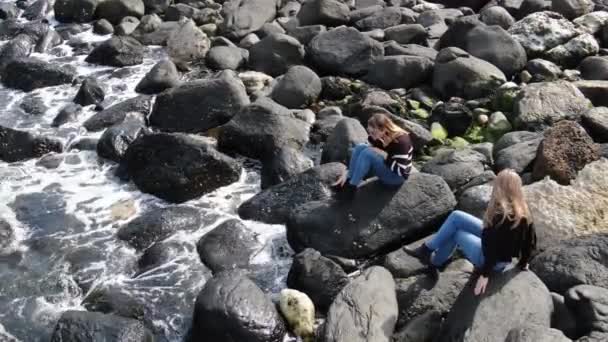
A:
388, 155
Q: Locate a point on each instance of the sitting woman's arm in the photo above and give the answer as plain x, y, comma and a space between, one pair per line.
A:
528, 245
400, 159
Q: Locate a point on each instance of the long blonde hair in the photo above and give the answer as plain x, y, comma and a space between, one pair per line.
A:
384, 123
507, 200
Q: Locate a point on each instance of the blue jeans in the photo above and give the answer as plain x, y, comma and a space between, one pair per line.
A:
460, 230
364, 159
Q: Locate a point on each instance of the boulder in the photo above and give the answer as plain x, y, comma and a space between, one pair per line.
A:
595, 91
562, 212
126, 26
230, 307
541, 31
592, 22
244, 17
187, 44
497, 46
456, 167
406, 33
116, 114
198, 106
156, 6
475, 199
7, 235
114, 142
536, 333
345, 136
274, 204
589, 305
496, 15
518, 156
543, 70
115, 10
317, 276
594, 68
454, 116
162, 76
344, 50
385, 18
69, 113
178, 167
512, 299
570, 54
363, 227
79, 11
298, 88
286, 163
18, 145
90, 92
457, 73
95, 326
158, 224
227, 57
229, 245
596, 123
391, 48
394, 72
37, 10
323, 12
422, 328
365, 310
103, 27
244, 134
565, 150
576, 261
28, 74
19, 47
150, 33
304, 34
572, 9
275, 54
33, 104
539, 105
118, 51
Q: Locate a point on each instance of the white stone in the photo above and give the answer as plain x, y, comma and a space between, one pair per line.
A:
542, 31
299, 311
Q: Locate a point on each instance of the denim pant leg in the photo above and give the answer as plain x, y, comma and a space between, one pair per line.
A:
445, 241
384, 174
355, 157
368, 160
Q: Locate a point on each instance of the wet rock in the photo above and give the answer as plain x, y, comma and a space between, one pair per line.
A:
232, 307
344, 51
114, 142
90, 92
118, 52
275, 54
7, 235
565, 150
117, 113
244, 135
286, 163
244, 17
498, 311
230, 245
162, 76
83, 144
69, 113
115, 10
83, 326
274, 204
187, 44
80, 11
348, 318
178, 167
111, 300
543, 70
299, 311
177, 110
345, 136
541, 104
158, 224
18, 145
19, 47
28, 74
298, 88
363, 227
33, 104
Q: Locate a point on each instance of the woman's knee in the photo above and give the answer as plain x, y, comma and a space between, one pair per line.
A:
360, 147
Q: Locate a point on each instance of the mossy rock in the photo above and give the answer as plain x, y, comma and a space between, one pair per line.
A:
438, 132
504, 99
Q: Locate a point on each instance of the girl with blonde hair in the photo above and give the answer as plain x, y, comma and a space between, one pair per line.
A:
506, 231
388, 156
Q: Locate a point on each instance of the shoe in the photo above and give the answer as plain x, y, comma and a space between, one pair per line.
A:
422, 253
346, 193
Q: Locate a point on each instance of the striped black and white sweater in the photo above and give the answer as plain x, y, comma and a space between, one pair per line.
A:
400, 152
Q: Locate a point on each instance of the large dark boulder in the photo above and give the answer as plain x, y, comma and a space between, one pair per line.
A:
90, 92
261, 128
242, 17
158, 224
596, 123
115, 141
590, 306
178, 167
19, 47
117, 113
299, 87
317, 276
378, 218
365, 310
274, 204
344, 51
456, 167
516, 150
162, 76
512, 299
28, 74
286, 163
227, 57
393, 72
229, 245
232, 308
115, 10
18, 145
495, 45
200, 105
118, 51
275, 54
323, 12
95, 326
578, 261
536, 333
345, 136
79, 11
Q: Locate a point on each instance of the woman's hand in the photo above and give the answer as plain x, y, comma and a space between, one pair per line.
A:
342, 179
480, 287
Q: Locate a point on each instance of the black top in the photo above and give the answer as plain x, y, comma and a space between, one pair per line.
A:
399, 154
501, 243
